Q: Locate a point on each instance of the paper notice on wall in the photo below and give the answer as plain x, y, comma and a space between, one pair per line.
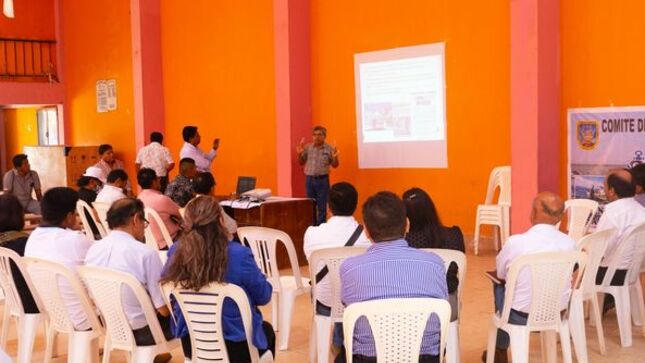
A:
111, 94
101, 96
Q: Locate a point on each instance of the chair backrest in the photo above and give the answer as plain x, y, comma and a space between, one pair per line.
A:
106, 287
263, 242
595, 246
83, 209
8, 285
202, 312
580, 213
632, 244
551, 274
101, 210
500, 177
46, 277
397, 326
459, 258
155, 221
332, 258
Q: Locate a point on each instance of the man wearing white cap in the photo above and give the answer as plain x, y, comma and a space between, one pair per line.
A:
89, 184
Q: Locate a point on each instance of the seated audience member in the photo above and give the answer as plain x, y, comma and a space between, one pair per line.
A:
156, 157
390, 269
113, 188
543, 236
12, 223
88, 184
622, 212
108, 163
164, 206
427, 231
56, 239
21, 181
638, 173
123, 250
204, 184
203, 255
180, 190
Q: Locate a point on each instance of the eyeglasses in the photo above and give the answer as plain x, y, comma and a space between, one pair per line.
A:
145, 221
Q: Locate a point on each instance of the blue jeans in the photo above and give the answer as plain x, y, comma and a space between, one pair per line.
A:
515, 317
318, 188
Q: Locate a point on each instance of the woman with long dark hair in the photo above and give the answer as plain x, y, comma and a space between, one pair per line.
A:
427, 231
203, 255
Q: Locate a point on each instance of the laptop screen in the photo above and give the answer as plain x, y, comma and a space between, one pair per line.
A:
245, 183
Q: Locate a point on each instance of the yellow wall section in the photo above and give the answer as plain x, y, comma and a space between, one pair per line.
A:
21, 128
478, 90
218, 71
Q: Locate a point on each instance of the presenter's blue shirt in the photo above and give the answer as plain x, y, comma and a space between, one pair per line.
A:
243, 272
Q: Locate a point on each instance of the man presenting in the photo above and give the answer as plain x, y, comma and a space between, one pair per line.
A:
190, 150
317, 157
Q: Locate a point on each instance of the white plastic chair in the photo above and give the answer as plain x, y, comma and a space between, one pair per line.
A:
83, 209
106, 286
497, 214
27, 323
397, 326
459, 258
263, 242
632, 243
155, 219
595, 246
202, 312
46, 277
101, 210
551, 274
580, 214
320, 339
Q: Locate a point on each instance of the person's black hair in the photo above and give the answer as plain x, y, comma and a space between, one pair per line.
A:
188, 132
83, 181
12, 215
123, 210
103, 148
184, 164
321, 129
423, 216
342, 199
18, 159
623, 188
117, 174
203, 183
156, 137
638, 175
145, 177
57, 203
384, 216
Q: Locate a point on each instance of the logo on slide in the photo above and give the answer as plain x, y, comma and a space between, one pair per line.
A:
587, 134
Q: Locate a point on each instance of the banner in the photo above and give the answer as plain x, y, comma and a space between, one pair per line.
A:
602, 139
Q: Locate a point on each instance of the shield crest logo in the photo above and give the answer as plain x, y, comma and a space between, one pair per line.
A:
587, 134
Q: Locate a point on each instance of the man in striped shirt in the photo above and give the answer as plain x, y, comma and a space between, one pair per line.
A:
391, 269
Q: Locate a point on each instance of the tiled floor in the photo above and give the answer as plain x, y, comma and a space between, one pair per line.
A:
476, 313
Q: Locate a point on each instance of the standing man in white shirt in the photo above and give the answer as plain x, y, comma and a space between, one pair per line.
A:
543, 236
190, 150
124, 250
113, 188
157, 157
57, 239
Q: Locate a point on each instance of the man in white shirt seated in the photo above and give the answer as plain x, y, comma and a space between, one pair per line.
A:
156, 157
622, 213
123, 250
113, 188
57, 239
190, 150
543, 236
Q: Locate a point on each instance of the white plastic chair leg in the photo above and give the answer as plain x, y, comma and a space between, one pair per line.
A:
144, 354
623, 316
274, 310
595, 316
107, 350
637, 304
28, 325
286, 301
267, 357
492, 342
50, 342
577, 328
452, 346
506, 229
549, 346
313, 346
476, 236
565, 342
519, 344
323, 337
6, 320
82, 348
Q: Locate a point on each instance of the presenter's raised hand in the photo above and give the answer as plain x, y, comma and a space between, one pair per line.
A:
301, 146
216, 144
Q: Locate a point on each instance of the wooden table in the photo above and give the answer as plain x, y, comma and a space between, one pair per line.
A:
290, 215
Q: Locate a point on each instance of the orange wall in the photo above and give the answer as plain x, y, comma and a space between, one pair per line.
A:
478, 90
98, 46
21, 129
218, 75
34, 19
602, 60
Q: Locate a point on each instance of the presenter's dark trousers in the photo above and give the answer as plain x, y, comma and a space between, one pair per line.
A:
317, 187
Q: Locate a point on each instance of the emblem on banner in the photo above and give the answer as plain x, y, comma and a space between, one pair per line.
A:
587, 134
638, 159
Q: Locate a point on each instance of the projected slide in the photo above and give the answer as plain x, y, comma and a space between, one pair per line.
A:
400, 106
